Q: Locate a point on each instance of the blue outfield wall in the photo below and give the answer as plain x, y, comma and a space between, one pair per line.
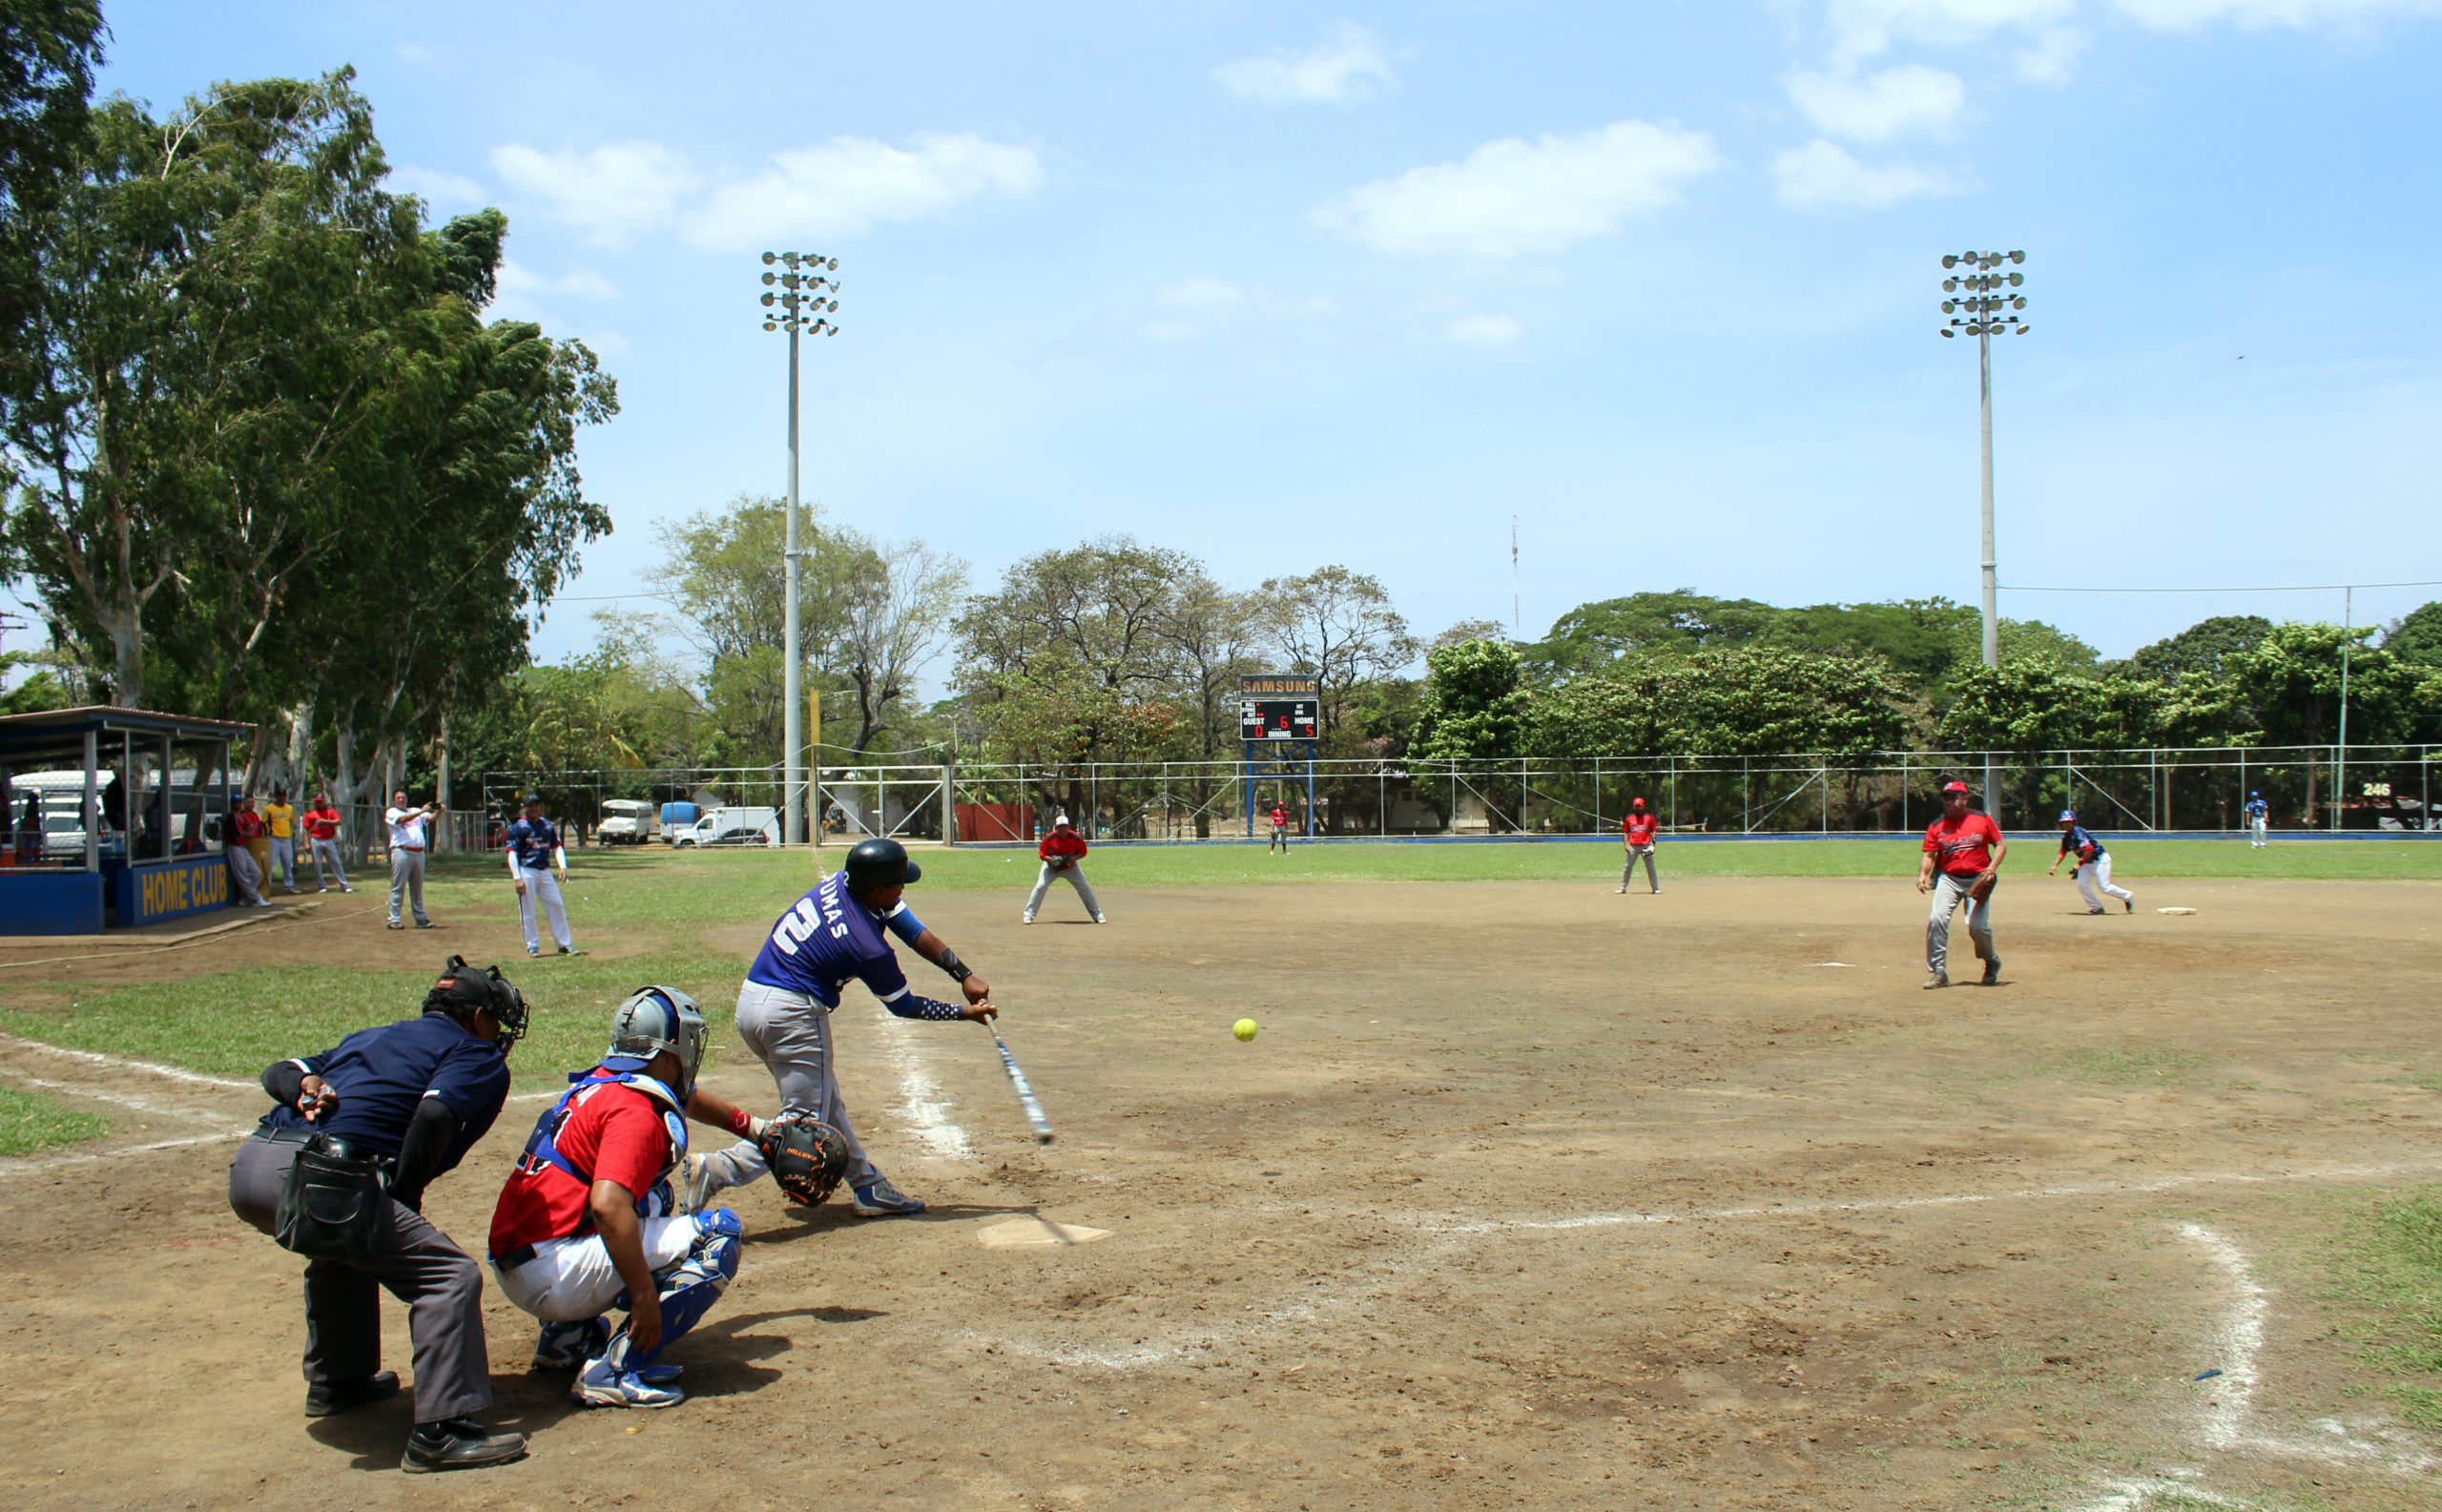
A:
1611, 838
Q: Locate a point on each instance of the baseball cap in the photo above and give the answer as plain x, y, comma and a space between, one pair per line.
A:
533, 797
2068, 815
1949, 788
1058, 819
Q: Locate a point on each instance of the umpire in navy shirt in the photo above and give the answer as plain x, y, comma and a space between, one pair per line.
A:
416, 1096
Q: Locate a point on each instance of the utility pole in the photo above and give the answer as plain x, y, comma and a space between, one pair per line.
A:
797, 309
1976, 306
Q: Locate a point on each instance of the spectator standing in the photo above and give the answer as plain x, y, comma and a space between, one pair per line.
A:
238, 849
322, 825
409, 843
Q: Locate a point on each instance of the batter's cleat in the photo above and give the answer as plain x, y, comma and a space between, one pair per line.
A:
459, 1443
882, 1200
326, 1397
1993, 972
700, 1186
602, 1384
566, 1346
1936, 979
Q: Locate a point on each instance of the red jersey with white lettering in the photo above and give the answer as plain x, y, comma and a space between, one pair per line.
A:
1640, 828
1061, 847
322, 823
1962, 846
613, 1132
1279, 818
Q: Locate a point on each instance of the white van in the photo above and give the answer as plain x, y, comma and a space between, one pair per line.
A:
628, 821
732, 826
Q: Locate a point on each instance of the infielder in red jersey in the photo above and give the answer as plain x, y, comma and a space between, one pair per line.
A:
1062, 853
1961, 850
1279, 829
1636, 835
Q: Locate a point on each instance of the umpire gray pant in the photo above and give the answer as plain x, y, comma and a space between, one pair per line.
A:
1949, 893
790, 1032
1074, 874
407, 881
442, 1285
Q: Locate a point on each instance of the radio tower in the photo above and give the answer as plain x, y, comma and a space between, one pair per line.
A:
1516, 628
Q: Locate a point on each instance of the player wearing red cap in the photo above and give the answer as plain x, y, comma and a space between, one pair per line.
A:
1962, 849
1636, 837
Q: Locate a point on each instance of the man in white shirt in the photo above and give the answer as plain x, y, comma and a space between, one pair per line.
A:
407, 847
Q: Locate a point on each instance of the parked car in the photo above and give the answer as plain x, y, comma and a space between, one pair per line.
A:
628, 821
732, 826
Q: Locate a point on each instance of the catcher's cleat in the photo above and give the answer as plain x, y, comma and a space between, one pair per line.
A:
566, 1346
1993, 972
602, 1384
459, 1443
324, 1398
1936, 979
882, 1200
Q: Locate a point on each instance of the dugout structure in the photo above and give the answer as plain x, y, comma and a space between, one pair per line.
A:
1280, 723
115, 818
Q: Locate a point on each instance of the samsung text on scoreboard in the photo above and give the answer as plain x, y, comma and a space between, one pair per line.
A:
1279, 708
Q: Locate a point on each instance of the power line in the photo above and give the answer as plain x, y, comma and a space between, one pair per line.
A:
2284, 588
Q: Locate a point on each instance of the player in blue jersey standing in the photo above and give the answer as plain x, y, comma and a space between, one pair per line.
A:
831, 936
534, 852
2091, 870
2259, 816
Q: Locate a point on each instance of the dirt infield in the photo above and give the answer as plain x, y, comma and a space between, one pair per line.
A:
1527, 1195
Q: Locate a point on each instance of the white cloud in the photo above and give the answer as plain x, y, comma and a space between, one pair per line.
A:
441, 190
1197, 307
2188, 15
2048, 59
1821, 175
1866, 29
521, 293
1484, 330
1346, 66
416, 53
849, 183
1895, 102
613, 191
1513, 197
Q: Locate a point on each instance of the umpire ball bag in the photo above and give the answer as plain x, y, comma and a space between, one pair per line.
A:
331, 1204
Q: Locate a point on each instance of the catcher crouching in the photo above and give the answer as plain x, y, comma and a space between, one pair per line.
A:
586, 1223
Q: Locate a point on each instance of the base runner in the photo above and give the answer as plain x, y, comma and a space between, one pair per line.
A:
2092, 868
1962, 859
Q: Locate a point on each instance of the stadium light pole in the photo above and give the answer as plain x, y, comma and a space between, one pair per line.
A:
799, 308
1981, 298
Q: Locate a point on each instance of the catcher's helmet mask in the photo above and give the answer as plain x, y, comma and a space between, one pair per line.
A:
654, 1020
879, 862
460, 990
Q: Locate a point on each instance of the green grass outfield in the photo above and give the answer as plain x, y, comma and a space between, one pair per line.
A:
30, 1120
234, 1023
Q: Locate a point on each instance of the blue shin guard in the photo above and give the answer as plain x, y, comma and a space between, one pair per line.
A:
687, 1291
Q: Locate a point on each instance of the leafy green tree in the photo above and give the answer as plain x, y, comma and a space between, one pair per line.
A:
2206, 646
1339, 627
2417, 635
49, 50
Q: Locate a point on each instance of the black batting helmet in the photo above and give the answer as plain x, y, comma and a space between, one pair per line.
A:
879, 862
460, 990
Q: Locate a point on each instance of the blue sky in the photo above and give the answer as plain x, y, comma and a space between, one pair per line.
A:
1286, 284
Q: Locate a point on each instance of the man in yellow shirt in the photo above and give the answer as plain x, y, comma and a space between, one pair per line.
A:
281, 821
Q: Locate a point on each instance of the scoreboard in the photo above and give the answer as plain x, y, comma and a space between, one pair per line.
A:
1280, 709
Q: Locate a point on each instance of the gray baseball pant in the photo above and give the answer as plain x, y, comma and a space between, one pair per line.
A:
1949, 893
541, 884
1075, 875
284, 861
248, 876
407, 881
441, 1284
327, 853
1635, 854
790, 1032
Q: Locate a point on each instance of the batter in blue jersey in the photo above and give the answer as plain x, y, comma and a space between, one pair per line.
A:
836, 933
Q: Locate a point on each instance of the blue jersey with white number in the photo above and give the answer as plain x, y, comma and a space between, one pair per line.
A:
2257, 808
534, 841
2076, 840
827, 938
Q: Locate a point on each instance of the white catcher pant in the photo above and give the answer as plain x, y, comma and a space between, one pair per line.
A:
1074, 874
545, 886
570, 1280
1949, 893
790, 1033
2097, 873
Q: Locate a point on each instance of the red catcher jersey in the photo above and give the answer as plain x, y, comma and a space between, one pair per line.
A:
1962, 846
612, 1130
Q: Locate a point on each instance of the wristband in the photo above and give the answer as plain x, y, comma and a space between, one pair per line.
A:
949, 962
740, 1122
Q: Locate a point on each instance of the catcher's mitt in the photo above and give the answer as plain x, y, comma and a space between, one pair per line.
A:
1982, 887
807, 1156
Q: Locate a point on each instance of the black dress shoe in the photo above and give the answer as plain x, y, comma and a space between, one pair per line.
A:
459, 1443
326, 1397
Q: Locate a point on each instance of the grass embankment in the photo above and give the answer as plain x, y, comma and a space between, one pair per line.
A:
30, 1120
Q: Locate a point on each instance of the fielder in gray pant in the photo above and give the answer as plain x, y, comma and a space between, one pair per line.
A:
1950, 892
1074, 874
442, 1285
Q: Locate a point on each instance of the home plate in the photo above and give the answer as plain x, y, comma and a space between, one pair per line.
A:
1038, 1234
2174, 910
